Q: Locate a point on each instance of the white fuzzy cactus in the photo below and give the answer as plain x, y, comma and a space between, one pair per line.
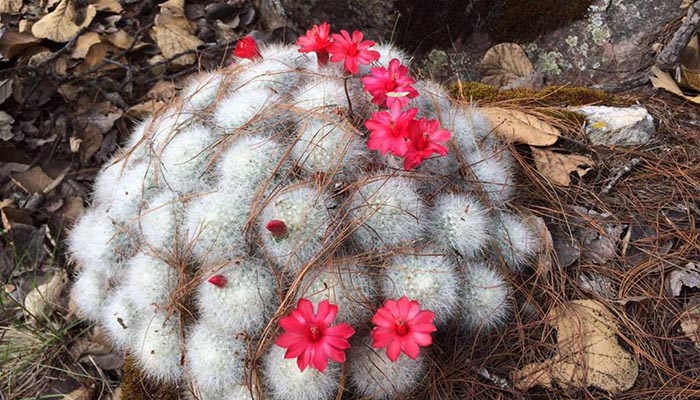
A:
428, 277
256, 188
388, 211
485, 298
374, 376
287, 382
156, 343
349, 286
244, 303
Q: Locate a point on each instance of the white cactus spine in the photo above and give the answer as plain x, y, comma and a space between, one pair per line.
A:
244, 303
486, 303
285, 381
387, 211
460, 223
427, 277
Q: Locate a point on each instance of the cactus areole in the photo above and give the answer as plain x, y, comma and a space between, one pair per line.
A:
315, 196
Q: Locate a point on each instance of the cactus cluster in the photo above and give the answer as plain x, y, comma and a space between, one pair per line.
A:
256, 188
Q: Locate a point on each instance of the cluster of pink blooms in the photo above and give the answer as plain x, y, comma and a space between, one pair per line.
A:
396, 130
393, 130
310, 337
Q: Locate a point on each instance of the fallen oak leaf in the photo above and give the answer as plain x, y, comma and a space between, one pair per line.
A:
84, 43
588, 353
145, 109
690, 65
556, 167
96, 55
687, 276
108, 6
13, 44
6, 122
46, 297
506, 65
690, 324
173, 33
515, 126
10, 6
662, 80
33, 180
59, 25
82, 393
123, 40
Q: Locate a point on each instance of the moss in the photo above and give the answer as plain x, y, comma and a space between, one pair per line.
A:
525, 20
550, 96
135, 386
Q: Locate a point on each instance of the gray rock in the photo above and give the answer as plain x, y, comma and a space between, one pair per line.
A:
611, 46
618, 126
375, 18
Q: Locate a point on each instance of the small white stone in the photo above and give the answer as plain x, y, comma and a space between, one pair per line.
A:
618, 126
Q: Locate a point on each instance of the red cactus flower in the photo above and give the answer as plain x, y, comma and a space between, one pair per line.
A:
387, 85
247, 47
402, 326
389, 130
278, 229
353, 51
218, 280
424, 138
317, 39
310, 337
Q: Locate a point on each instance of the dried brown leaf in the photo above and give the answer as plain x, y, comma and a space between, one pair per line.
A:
108, 5
10, 6
84, 43
146, 108
173, 33
25, 26
557, 166
588, 352
163, 90
82, 393
72, 208
6, 122
688, 276
33, 180
690, 324
46, 297
13, 44
518, 127
506, 65
122, 40
97, 53
662, 80
690, 56
91, 125
5, 90
59, 25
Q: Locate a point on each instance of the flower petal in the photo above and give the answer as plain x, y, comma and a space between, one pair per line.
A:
341, 330
381, 337
394, 350
410, 347
306, 309
295, 350
319, 360
384, 318
287, 339
424, 317
303, 359
292, 324
422, 339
